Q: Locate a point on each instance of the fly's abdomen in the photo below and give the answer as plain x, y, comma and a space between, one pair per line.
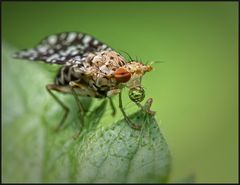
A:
65, 75
87, 86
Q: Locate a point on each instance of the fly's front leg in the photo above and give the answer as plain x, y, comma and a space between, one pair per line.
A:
51, 87
109, 95
130, 123
112, 106
73, 86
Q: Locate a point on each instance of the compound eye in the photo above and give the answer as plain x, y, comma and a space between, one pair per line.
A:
122, 75
136, 94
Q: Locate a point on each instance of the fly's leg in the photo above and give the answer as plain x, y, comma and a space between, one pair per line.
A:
130, 123
112, 106
109, 95
49, 88
73, 86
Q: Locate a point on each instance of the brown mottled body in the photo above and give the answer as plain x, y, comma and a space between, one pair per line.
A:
97, 74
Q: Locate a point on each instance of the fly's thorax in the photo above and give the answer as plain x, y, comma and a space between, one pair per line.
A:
107, 61
104, 62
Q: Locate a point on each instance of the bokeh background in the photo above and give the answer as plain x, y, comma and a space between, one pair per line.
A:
195, 89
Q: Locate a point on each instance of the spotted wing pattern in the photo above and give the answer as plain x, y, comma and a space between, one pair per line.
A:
59, 48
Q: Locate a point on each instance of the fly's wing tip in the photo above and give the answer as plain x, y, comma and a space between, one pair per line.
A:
19, 55
25, 54
15, 55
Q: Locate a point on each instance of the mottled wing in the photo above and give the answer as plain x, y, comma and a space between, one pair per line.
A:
59, 48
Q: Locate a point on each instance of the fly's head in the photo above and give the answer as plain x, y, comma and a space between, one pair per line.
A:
131, 74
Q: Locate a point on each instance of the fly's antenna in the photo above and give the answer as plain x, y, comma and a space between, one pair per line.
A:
154, 62
127, 55
139, 60
136, 58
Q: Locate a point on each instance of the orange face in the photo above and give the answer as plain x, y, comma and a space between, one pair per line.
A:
122, 75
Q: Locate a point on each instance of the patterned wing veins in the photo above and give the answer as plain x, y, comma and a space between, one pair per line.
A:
59, 48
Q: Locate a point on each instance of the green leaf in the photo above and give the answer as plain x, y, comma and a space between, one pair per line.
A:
33, 152
122, 154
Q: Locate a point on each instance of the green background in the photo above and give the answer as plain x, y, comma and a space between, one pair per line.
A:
194, 90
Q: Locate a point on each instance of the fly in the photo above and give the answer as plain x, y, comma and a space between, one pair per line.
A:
88, 68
